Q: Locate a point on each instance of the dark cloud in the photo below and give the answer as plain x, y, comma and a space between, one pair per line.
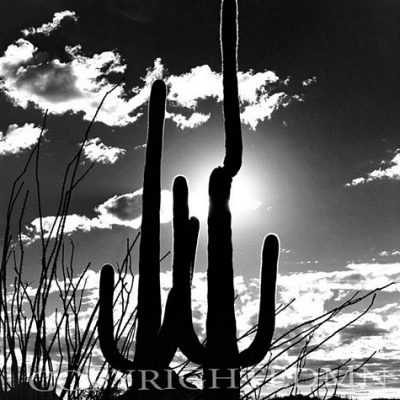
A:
355, 278
365, 330
56, 82
253, 319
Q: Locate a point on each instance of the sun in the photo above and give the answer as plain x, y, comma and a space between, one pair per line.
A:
243, 197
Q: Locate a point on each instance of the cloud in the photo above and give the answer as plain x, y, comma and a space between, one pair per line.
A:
387, 253
49, 27
313, 289
366, 329
309, 81
201, 83
96, 151
195, 120
257, 94
124, 210
51, 225
30, 76
392, 172
262, 109
18, 138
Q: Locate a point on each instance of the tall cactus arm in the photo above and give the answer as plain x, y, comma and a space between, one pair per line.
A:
149, 299
105, 323
186, 233
266, 319
229, 45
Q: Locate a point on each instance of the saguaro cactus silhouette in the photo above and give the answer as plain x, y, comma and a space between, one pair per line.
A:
156, 343
220, 357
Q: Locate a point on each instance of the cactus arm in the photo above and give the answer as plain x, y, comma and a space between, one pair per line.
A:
186, 233
189, 343
177, 328
266, 319
149, 298
229, 44
105, 324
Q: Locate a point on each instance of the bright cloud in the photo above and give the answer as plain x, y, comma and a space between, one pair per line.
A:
96, 151
29, 76
262, 109
387, 253
51, 226
391, 172
18, 138
312, 289
49, 27
195, 120
201, 83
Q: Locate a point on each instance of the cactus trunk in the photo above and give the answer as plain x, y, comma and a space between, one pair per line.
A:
149, 298
220, 357
221, 348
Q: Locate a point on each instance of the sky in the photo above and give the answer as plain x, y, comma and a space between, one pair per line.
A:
321, 167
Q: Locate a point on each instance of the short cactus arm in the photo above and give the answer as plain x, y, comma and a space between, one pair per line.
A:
183, 242
229, 45
149, 299
266, 319
105, 324
189, 343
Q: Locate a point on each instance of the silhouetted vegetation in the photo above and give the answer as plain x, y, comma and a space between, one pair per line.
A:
34, 354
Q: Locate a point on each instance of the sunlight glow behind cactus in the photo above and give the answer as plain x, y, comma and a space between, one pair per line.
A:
244, 197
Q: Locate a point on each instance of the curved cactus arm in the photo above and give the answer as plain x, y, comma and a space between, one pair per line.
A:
149, 298
105, 323
266, 319
229, 44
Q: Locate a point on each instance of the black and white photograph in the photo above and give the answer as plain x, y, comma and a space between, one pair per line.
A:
199, 199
